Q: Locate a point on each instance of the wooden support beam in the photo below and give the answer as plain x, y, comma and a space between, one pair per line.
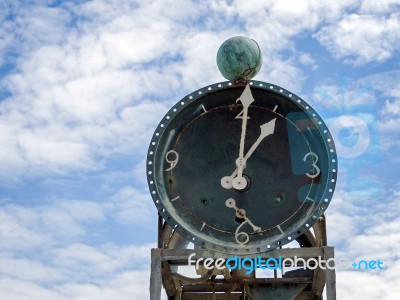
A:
155, 277
330, 275
164, 261
180, 256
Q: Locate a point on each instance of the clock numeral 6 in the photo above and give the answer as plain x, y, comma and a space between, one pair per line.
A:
172, 157
241, 237
314, 164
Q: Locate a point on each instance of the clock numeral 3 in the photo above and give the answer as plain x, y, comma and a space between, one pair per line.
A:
314, 164
172, 157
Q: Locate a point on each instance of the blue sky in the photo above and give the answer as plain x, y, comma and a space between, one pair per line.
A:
84, 84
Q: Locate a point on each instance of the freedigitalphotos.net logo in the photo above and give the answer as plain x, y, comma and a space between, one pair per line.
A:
284, 264
365, 265
373, 264
252, 264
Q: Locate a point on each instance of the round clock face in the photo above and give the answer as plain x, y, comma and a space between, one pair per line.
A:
241, 168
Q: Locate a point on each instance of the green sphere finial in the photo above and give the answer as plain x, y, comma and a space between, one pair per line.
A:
239, 58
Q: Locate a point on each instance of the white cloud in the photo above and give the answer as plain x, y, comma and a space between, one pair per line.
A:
15, 289
391, 108
81, 93
274, 22
70, 221
127, 285
365, 285
17, 236
386, 91
23, 229
82, 97
306, 60
383, 6
46, 24
284, 74
131, 207
345, 94
30, 270
86, 260
124, 285
374, 98
340, 219
45, 253
362, 39
365, 230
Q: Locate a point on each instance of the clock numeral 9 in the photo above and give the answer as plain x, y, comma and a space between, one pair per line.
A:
172, 157
314, 164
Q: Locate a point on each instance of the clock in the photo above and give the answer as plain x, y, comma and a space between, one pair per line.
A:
241, 168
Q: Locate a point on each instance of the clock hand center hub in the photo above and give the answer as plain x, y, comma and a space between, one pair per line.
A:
239, 183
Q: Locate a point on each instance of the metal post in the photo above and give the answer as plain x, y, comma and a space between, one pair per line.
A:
330, 275
155, 277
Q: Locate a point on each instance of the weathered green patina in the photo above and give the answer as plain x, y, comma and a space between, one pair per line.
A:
239, 58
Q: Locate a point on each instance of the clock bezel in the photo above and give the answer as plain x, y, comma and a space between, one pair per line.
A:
165, 208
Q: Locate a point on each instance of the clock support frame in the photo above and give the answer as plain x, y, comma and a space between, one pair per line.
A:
235, 284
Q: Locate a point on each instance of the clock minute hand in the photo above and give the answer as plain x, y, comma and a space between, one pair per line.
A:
239, 182
246, 99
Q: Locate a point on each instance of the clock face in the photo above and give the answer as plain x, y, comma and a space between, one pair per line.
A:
241, 168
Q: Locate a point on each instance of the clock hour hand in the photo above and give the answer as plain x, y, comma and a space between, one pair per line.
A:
266, 130
241, 213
